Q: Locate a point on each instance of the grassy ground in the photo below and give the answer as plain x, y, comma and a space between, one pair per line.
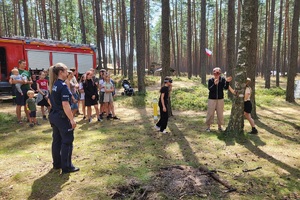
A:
112, 152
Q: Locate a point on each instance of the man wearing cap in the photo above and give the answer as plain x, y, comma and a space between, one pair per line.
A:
216, 86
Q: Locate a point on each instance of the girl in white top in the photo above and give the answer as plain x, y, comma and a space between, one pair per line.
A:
108, 98
247, 104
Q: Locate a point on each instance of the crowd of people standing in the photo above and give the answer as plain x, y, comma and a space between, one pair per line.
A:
87, 92
61, 94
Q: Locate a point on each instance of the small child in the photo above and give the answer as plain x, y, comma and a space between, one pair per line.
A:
31, 107
163, 105
16, 76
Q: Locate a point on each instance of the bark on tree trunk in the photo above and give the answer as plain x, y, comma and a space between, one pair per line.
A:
165, 34
26, 19
130, 67
140, 44
294, 55
57, 17
189, 39
230, 40
279, 45
203, 56
236, 123
123, 38
82, 24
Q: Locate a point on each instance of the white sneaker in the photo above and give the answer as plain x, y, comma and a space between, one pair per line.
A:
164, 132
207, 130
157, 128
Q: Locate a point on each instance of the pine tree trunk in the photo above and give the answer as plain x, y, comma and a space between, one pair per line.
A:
82, 24
236, 123
172, 21
294, 55
230, 40
177, 39
132, 20
189, 39
15, 19
279, 45
57, 19
123, 38
238, 30
113, 37
269, 52
265, 59
203, 57
98, 27
44, 13
252, 57
140, 44
196, 46
165, 40
285, 38
26, 19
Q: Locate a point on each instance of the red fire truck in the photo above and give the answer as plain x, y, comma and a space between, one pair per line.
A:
40, 54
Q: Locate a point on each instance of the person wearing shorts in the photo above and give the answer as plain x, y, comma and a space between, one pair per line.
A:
31, 107
21, 99
108, 98
247, 105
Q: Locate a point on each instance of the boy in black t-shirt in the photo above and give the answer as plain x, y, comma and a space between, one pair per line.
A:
163, 106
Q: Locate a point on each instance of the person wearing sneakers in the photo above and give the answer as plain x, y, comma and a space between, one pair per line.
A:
247, 105
108, 98
21, 99
163, 106
91, 96
216, 86
31, 108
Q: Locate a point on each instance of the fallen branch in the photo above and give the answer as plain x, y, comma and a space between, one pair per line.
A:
251, 170
212, 174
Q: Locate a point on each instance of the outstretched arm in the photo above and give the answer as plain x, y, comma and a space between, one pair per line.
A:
232, 90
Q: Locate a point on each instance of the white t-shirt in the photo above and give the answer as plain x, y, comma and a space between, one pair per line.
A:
248, 91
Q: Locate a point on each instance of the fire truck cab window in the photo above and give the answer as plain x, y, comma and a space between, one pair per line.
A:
3, 68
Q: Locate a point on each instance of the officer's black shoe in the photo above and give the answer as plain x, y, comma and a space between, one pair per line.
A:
70, 170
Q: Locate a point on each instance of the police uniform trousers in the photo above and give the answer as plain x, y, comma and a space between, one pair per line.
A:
62, 143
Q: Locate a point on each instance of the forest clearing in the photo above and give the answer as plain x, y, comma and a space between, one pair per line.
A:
127, 159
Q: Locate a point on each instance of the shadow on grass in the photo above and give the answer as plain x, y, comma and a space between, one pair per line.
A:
187, 152
280, 114
251, 142
277, 133
48, 186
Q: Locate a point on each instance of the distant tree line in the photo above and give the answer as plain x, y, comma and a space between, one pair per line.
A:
177, 39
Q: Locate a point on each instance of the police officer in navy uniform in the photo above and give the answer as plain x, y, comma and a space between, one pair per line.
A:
61, 119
